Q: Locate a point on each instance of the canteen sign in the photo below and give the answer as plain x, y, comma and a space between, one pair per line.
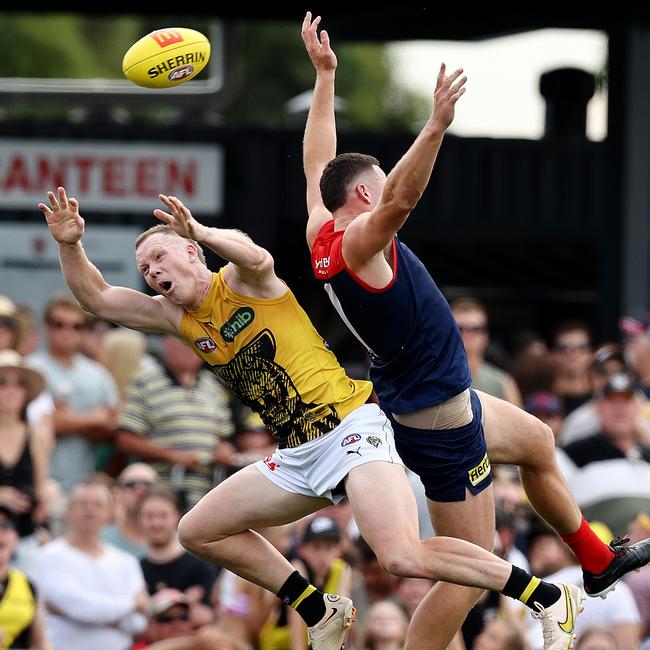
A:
109, 176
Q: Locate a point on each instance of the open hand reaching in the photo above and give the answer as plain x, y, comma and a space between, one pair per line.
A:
63, 219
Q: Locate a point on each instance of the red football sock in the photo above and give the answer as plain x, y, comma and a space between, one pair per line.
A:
593, 554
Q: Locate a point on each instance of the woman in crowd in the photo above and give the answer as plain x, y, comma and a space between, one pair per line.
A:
23, 456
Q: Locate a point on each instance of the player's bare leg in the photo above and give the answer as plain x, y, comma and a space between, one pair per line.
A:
442, 612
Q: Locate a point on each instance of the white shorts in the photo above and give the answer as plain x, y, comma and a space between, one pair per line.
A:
317, 468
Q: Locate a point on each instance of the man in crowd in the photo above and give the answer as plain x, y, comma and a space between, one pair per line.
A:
177, 415
94, 593
609, 471
471, 318
126, 531
167, 563
83, 390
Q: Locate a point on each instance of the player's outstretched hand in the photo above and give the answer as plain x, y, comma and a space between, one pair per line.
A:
319, 49
63, 219
449, 89
179, 218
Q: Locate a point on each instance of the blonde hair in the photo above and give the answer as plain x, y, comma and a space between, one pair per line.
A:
124, 350
168, 230
366, 640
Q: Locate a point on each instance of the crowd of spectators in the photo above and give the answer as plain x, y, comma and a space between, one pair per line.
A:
107, 437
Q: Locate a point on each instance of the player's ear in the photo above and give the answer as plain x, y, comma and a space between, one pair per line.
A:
363, 192
192, 252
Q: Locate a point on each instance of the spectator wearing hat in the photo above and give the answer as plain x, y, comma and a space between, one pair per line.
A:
318, 557
170, 627
546, 407
608, 360
21, 621
94, 593
16, 333
609, 471
11, 326
23, 452
83, 390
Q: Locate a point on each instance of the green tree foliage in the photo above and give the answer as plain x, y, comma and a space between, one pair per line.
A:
266, 66
271, 67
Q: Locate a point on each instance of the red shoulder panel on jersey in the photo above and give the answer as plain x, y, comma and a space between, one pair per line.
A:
326, 253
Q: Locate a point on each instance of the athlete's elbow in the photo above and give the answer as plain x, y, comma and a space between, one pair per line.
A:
401, 202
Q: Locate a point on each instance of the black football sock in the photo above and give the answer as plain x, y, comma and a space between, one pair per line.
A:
530, 590
302, 596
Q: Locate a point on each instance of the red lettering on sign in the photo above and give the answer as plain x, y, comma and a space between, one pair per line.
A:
84, 167
181, 181
17, 175
145, 177
49, 175
114, 176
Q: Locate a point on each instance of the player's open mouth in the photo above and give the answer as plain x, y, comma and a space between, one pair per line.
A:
166, 286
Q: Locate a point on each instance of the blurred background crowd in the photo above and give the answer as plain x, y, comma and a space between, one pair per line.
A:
108, 436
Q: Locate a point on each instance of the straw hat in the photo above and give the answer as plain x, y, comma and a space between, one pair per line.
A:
8, 310
34, 379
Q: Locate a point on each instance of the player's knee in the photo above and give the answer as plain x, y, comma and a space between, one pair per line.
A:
399, 562
187, 533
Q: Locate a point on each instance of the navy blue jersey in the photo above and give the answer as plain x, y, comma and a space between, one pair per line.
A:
417, 354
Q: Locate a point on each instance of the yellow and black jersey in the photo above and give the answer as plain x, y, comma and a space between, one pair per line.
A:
272, 358
17, 610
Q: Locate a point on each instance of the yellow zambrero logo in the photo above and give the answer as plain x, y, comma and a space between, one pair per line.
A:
480, 472
569, 623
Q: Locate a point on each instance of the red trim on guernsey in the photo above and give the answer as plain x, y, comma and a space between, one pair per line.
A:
328, 229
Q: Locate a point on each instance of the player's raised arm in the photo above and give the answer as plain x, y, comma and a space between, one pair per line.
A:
372, 232
252, 264
118, 304
319, 144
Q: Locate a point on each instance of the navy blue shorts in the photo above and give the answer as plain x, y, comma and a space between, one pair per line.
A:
447, 460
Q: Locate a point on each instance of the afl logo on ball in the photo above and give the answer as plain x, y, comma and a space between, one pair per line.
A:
180, 73
351, 439
205, 344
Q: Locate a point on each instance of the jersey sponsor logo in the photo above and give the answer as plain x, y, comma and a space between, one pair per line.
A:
205, 344
480, 472
270, 464
322, 265
374, 441
351, 439
165, 37
354, 451
241, 319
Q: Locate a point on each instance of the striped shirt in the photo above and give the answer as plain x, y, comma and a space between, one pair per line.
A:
192, 418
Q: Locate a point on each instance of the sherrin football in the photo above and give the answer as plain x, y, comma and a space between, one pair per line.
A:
166, 57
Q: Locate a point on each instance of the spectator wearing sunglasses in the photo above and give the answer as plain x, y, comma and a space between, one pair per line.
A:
134, 481
83, 390
572, 355
471, 318
169, 618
